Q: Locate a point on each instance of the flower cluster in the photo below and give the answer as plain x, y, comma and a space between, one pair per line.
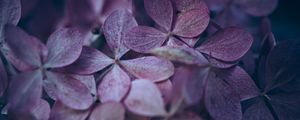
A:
145, 60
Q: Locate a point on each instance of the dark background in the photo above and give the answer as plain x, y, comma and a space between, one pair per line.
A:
286, 20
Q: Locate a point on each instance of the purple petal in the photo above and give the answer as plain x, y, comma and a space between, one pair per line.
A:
142, 39
219, 63
150, 68
165, 88
191, 24
108, 111
145, 99
187, 116
3, 78
241, 82
229, 44
258, 8
181, 54
221, 101
61, 112
114, 85
187, 5
90, 61
88, 81
160, 11
64, 46
69, 90
24, 48
10, 13
258, 111
113, 5
114, 28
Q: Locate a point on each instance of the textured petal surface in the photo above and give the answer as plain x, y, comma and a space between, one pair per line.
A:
160, 11
181, 54
221, 101
89, 81
23, 46
145, 99
114, 85
150, 68
191, 24
258, 111
187, 5
108, 111
258, 7
90, 61
69, 90
3, 78
10, 12
229, 44
114, 28
64, 47
241, 82
165, 88
219, 63
142, 39
61, 112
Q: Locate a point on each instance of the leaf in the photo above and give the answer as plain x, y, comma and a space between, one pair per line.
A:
281, 70
145, 99
187, 5
90, 61
165, 88
142, 39
24, 47
221, 101
258, 8
108, 111
191, 24
114, 86
150, 68
10, 12
240, 81
229, 44
160, 11
258, 111
64, 46
69, 90
181, 54
114, 28
286, 105
61, 112
3, 79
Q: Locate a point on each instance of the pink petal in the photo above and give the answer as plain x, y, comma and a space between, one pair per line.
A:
41, 110
229, 44
108, 111
258, 8
219, 63
3, 78
70, 91
165, 88
221, 101
114, 85
23, 47
88, 81
118, 23
64, 46
187, 5
150, 68
241, 82
145, 99
181, 54
25, 90
142, 38
160, 11
191, 24
61, 112
90, 61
